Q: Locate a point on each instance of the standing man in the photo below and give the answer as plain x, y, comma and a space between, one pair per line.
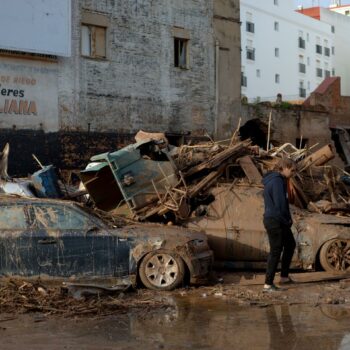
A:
278, 221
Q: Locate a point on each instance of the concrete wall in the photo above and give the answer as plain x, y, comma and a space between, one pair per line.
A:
137, 86
288, 125
228, 60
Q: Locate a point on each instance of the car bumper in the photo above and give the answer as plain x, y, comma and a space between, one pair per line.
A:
200, 266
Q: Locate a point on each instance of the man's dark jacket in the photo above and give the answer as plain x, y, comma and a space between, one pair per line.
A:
276, 198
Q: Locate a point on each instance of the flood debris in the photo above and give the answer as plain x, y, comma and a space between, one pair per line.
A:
19, 296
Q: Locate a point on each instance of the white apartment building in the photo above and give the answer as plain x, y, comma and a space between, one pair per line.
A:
339, 19
283, 51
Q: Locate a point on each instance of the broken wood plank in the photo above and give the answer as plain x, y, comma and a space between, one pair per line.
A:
308, 277
250, 169
320, 157
219, 158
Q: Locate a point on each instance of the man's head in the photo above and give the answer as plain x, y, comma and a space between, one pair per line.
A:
287, 167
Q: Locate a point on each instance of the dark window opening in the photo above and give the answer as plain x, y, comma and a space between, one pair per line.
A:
180, 53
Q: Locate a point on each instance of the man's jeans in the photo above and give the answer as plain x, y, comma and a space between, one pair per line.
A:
280, 239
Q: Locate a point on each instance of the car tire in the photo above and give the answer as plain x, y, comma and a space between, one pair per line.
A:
162, 270
335, 256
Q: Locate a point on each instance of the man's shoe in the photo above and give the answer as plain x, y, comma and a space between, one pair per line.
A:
286, 281
271, 289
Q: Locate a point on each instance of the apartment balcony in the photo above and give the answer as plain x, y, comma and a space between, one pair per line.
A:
302, 68
301, 43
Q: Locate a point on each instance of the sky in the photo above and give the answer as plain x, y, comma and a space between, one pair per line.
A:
309, 3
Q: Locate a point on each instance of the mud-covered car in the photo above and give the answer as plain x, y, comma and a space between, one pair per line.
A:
55, 238
234, 225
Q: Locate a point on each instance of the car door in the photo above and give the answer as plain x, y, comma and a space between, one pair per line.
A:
74, 244
17, 247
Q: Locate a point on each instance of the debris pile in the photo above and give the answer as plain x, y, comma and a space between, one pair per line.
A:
18, 296
157, 182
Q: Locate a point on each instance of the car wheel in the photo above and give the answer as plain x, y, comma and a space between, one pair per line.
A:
162, 270
335, 255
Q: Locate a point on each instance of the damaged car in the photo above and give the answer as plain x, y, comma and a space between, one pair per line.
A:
234, 225
55, 238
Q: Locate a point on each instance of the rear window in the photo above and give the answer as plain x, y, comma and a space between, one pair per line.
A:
12, 218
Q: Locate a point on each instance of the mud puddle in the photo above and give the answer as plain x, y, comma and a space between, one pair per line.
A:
190, 323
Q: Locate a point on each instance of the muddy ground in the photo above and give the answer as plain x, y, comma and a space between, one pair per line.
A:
231, 313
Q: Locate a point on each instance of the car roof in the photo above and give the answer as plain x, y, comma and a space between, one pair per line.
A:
15, 199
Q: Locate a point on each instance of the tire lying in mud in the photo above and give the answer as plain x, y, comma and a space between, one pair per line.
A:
335, 256
162, 270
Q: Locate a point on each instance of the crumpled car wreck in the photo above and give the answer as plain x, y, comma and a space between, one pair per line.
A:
56, 238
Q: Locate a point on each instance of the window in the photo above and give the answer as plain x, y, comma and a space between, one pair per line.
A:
250, 27
276, 26
57, 217
258, 73
333, 50
302, 68
333, 72
93, 41
301, 43
243, 80
333, 29
327, 73
12, 218
250, 53
327, 51
319, 49
302, 90
319, 72
277, 78
181, 53
277, 52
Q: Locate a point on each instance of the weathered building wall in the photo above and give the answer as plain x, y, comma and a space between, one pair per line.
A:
290, 125
137, 85
228, 59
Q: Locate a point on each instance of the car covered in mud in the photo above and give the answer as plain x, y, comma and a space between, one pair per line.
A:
55, 238
234, 225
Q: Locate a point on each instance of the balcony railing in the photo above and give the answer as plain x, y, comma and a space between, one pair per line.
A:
302, 68
302, 92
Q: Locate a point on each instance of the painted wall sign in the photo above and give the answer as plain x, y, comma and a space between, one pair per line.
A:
28, 94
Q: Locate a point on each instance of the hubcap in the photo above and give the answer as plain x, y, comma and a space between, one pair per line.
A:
162, 270
338, 255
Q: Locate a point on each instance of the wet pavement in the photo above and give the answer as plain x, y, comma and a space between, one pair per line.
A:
189, 323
